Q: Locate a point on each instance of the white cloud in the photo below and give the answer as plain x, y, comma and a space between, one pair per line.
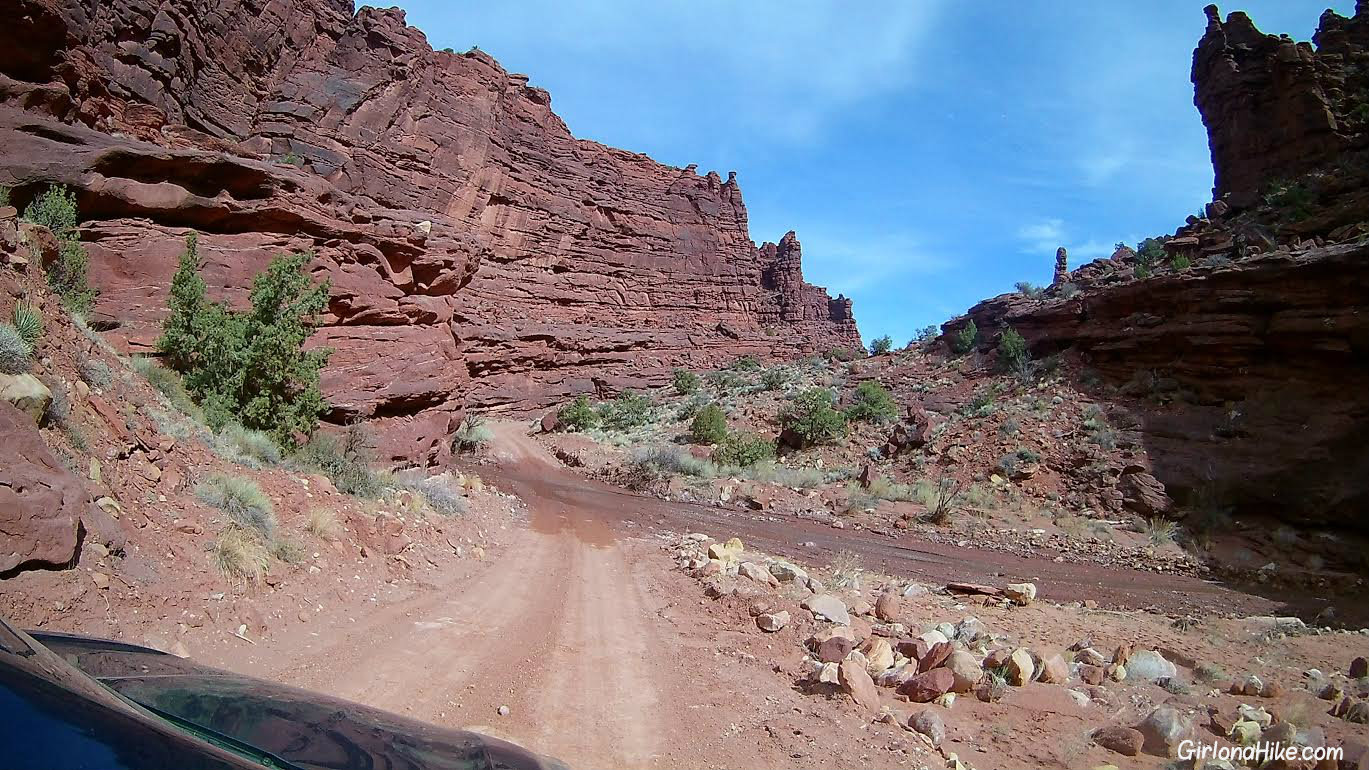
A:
1042, 237
847, 264
767, 69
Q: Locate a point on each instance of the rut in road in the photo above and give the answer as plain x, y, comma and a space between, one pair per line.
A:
558, 628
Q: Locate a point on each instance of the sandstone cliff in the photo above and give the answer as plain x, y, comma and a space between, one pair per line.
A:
1275, 108
479, 253
1243, 356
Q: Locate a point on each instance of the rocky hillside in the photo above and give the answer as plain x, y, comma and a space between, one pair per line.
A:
1242, 346
469, 238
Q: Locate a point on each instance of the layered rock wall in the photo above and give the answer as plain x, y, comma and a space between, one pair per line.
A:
479, 253
1274, 108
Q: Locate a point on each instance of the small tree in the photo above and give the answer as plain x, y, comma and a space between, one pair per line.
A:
743, 449
811, 419
55, 209
881, 345
1028, 289
1149, 253
1013, 355
965, 339
629, 410
709, 425
579, 415
686, 382
928, 333
250, 368
872, 403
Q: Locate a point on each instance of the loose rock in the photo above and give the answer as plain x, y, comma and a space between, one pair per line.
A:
773, 621
928, 723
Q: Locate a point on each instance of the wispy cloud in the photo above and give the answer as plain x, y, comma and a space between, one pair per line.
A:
1045, 236
851, 264
1042, 237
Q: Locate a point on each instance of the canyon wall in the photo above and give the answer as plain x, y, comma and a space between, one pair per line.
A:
479, 254
1276, 108
1241, 358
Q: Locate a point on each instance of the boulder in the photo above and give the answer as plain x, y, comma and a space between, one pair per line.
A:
927, 686
928, 723
936, 655
772, 621
788, 573
1359, 668
827, 607
879, 655
1163, 730
1054, 670
1151, 666
856, 681
42, 504
757, 573
1021, 667
1144, 494
835, 649
1021, 593
965, 669
887, 606
25, 393
550, 422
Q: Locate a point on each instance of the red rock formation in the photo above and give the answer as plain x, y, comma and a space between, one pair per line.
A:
1247, 373
464, 229
1275, 108
42, 504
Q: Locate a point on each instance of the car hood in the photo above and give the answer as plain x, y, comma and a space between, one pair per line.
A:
302, 727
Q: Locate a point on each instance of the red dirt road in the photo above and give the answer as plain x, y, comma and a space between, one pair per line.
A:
603, 653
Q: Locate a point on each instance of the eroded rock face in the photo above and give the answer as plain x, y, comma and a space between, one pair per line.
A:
41, 503
1275, 108
478, 252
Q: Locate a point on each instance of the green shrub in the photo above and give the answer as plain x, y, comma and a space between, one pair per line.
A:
881, 345
4, 195
745, 364
982, 403
96, 372
472, 434
442, 497
709, 425
771, 472
1149, 253
241, 499
250, 367
1180, 262
928, 333
55, 209
724, 380
1295, 198
1013, 355
656, 461
239, 555
14, 352
872, 403
245, 446
812, 419
345, 461
775, 378
686, 382
841, 354
169, 384
29, 323
691, 407
1029, 289
628, 410
579, 415
965, 339
743, 449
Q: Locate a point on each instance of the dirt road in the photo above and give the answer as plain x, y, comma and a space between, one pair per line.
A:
601, 659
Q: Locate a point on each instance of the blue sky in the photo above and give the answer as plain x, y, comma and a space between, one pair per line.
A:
929, 154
